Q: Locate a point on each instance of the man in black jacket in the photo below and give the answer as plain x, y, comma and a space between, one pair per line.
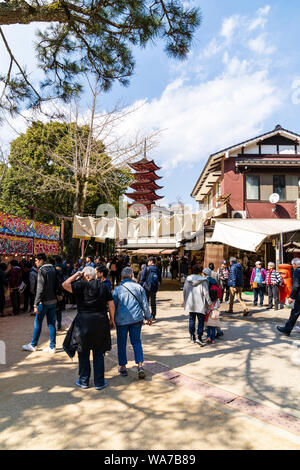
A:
45, 303
294, 297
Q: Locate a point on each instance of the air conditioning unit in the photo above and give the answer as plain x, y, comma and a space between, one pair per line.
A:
239, 215
297, 208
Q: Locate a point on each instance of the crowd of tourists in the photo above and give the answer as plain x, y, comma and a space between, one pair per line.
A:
104, 301
121, 293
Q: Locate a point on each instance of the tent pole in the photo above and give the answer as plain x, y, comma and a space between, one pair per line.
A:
281, 248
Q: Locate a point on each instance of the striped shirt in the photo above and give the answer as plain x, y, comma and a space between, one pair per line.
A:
273, 277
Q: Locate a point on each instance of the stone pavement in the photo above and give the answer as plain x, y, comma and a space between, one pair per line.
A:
241, 393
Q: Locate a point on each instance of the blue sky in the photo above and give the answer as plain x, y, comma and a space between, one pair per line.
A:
242, 78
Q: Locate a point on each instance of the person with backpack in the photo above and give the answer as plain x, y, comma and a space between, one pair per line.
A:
150, 280
196, 299
216, 294
236, 283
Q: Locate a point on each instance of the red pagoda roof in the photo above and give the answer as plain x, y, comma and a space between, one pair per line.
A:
146, 196
144, 165
145, 185
146, 176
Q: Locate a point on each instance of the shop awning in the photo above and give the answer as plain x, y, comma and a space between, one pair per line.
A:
146, 251
248, 234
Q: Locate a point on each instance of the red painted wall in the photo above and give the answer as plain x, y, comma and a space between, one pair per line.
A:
233, 183
263, 210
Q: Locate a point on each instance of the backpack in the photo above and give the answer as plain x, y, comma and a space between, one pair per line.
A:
152, 283
215, 292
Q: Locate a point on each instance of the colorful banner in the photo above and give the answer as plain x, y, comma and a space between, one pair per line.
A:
49, 248
14, 225
10, 245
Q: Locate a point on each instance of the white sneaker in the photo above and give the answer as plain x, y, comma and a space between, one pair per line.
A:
297, 328
49, 350
28, 347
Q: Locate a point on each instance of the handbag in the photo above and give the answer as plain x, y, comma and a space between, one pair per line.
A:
22, 287
210, 313
215, 314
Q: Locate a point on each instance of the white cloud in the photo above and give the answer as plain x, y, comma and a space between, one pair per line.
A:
261, 19
260, 46
264, 11
204, 118
229, 26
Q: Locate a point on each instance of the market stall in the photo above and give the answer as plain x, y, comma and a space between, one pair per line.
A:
22, 239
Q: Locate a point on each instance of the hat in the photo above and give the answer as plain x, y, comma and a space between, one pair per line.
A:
207, 272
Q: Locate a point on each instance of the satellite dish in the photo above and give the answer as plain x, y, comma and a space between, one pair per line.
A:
274, 198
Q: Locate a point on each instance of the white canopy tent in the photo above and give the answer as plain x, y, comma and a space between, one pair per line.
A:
249, 234
178, 225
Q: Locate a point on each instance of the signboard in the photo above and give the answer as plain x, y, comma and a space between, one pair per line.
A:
10, 245
14, 225
49, 248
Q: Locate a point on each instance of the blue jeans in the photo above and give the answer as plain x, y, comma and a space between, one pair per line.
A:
259, 291
211, 332
85, 367
135, 339
192, 324
50, 312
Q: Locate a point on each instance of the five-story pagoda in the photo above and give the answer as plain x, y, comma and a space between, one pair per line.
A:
144, 185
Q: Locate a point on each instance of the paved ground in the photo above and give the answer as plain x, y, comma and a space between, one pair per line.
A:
241, 393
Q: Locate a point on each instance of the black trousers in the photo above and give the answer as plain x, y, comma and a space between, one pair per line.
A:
114, 278
26, 299
225, 290
15, 300
273, 294
295, 313
2, 303
151, 297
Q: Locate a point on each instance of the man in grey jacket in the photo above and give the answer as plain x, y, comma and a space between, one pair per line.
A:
196, 299
44, 304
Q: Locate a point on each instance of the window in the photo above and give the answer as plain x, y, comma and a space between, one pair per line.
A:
209, 201
279, 186
252, 187
292, 187
287, 149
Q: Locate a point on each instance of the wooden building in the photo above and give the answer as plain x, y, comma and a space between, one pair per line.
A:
243, 177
